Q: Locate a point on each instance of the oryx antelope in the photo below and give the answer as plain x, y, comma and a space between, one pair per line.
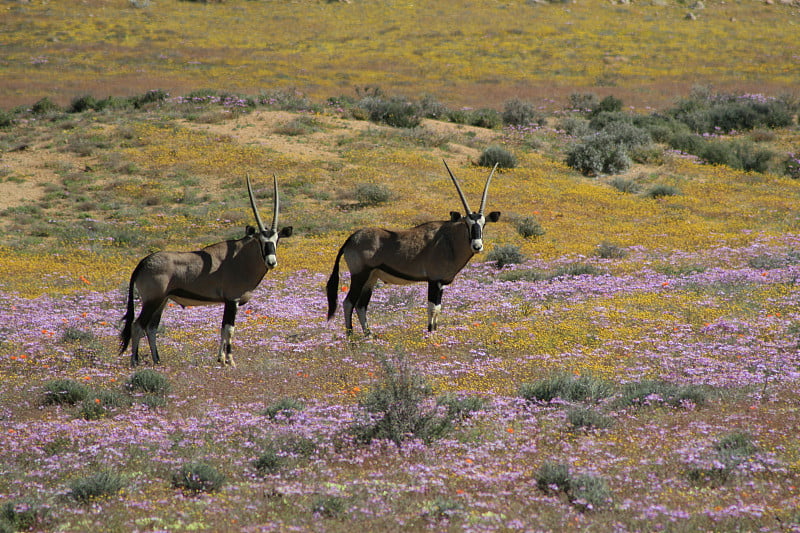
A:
226, 272
433, 252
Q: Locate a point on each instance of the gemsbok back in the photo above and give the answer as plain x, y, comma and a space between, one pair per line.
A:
223, 273
433, 252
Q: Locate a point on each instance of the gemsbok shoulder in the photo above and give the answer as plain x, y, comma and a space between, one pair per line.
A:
223, 273
433, 252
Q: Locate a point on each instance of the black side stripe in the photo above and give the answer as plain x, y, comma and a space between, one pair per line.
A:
397, 274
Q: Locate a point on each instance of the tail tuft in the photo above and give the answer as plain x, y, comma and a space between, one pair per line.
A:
332, 287
127, 319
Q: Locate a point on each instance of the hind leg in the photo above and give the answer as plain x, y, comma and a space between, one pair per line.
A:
151, 331
224, 355
358, 298
136, 335
146, 325
361, 309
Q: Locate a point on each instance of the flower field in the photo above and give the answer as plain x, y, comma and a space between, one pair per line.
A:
468, 53
635, 368
705, 295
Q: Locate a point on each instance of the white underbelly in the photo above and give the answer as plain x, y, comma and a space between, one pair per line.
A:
188, 302
394, 280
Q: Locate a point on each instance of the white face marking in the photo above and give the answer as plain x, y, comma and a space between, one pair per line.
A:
270, 244
475, 228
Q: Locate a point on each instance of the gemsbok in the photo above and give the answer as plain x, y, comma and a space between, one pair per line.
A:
223, 273
433, 252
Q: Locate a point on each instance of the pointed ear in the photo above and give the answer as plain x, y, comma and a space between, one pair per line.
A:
494, 216
455, 216
286, 232
249, 230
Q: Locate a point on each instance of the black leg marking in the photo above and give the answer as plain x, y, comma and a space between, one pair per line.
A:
226, 333
355, 295
435, 291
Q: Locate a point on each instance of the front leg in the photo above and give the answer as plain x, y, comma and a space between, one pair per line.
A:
435, 290
226, 334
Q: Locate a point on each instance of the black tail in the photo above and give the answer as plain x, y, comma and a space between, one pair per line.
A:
332, 288
127, 327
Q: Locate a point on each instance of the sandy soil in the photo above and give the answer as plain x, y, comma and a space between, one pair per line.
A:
34, 166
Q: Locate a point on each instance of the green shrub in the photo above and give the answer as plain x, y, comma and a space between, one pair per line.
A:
721, 113
586, 492
610, 104
6, 119
604, 119
269, 462
655, 392
768, 261
442, 509
688, 143
496, 155
45, 106
627, 135
589, 492
198, 477
752, 158
100, 485
729, 452
553, 477
460, 116
574, 126
735, 447
598, 154
528, 226
371, 194
661, 191
647, 154
506, 254
329, 506
524, 275
583, 418
23, 515
285, 407
64, 392
77, 335
517, 112
286, 100
82, 103
430, 107
100, 403
397, 112
282, 452
791, 166
567, 387
149, 381
575, 269
584, 103
608, 250
92, 410
481, 118
150, 97
459, 408
625, 185
485, 118
395, 408
660, 127
302, 125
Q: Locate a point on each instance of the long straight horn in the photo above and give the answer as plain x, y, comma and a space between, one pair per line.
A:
276, 204
486, 189
253, 205
458, 188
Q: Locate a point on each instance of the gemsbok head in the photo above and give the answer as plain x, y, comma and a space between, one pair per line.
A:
433, 252
223, 273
